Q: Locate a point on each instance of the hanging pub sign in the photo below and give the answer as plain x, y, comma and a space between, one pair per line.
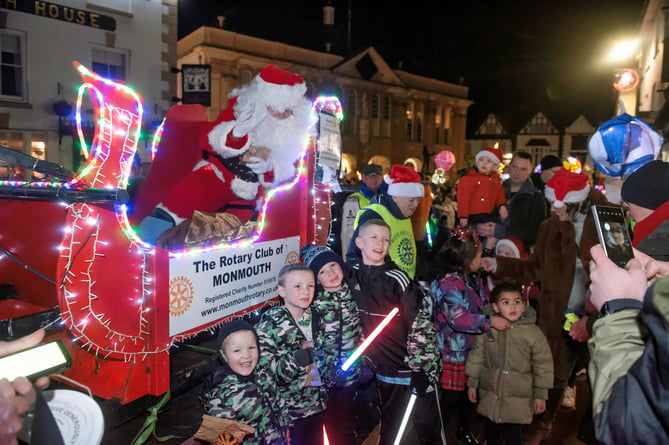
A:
196, 84
60, 12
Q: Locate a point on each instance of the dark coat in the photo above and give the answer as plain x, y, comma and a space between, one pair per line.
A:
553, 263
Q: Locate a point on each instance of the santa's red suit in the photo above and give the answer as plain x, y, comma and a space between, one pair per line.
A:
270, 114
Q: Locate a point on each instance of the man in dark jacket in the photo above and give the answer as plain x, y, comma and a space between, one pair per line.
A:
526, 205
629, 366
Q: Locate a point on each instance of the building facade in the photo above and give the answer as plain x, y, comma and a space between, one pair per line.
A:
537, 136
132, 41
390, 116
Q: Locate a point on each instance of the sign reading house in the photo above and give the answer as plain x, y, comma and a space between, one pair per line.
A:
60, 12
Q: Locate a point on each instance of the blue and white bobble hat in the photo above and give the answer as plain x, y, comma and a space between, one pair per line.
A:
623, 144
315, 257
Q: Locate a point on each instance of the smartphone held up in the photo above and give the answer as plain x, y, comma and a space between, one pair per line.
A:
613, 235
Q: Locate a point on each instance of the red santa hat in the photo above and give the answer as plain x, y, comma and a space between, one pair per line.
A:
514, 244
404, 181
567, 187
280, 89
495, 154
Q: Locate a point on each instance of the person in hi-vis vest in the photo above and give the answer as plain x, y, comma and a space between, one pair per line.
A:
405, 190
372, 184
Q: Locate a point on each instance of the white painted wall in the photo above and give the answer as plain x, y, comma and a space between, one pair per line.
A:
52, 45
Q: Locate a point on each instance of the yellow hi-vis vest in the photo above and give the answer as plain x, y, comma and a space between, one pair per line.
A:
402, 245
362, 199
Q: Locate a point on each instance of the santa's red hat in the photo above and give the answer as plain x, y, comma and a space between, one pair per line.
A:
567, 187
514, 244
495, 154
404, 181
279, 88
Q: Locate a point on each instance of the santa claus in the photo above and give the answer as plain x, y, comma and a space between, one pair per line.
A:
252, 145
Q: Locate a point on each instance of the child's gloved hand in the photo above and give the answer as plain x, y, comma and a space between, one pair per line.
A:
304, 357
419, 382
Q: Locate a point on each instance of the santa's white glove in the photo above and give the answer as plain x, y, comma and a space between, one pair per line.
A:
246, 120
259, 165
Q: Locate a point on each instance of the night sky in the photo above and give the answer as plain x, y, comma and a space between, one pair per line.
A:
517, 56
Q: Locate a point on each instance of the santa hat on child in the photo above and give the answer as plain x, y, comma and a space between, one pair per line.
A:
566, 187
405, 181
280, 89
495, 154
315, 257
514, 244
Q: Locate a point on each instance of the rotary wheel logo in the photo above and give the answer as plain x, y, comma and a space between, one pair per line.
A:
405, 252
292, 258
181, 295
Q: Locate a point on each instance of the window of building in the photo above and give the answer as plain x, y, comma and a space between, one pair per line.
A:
245, 76
376, 102
385, 115
448, 112
410, 123
12, 66
30, 143
386, 108
420, 113
110, 64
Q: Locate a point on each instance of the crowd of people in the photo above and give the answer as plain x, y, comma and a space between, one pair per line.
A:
495, 321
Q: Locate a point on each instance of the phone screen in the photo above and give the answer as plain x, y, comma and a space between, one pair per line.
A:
613, 234
44, 359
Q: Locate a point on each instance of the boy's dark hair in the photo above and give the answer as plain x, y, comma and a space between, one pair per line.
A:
458, 253
374, 222
506, 286
288, 268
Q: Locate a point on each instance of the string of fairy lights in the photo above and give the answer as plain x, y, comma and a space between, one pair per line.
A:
88, 232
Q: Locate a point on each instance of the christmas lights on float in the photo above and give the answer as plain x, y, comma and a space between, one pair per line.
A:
91, 232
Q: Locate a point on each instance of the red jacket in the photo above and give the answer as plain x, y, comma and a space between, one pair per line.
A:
479, 193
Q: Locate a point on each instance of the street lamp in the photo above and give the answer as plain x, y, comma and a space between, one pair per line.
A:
623, 50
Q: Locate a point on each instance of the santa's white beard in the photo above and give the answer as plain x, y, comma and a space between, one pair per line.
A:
284, 137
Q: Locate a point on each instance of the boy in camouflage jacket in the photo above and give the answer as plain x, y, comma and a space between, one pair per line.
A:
405, 356
342, 335
241, 391
291, 342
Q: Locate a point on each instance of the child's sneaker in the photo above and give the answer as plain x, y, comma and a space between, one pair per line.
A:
569, 397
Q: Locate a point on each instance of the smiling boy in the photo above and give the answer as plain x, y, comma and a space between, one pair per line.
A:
290, 337
404, 356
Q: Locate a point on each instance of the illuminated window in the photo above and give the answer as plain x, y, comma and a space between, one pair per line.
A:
12, 66
18, 141
110, 64
437, 126
410, 116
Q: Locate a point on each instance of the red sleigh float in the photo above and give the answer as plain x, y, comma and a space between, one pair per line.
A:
69, 248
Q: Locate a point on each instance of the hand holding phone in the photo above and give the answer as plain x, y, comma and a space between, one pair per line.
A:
41, 360
613, 235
